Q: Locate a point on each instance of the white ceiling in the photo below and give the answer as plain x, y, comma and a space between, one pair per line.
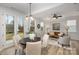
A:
67, 9
45, 9
36, 7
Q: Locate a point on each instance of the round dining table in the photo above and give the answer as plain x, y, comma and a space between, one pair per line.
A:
23, 41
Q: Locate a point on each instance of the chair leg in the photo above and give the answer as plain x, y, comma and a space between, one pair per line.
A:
15, 51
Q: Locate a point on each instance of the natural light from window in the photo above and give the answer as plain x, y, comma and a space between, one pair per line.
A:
21, 27
72, 25
9, 27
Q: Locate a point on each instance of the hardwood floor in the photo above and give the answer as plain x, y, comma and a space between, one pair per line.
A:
8, 51
75, 44
53, 49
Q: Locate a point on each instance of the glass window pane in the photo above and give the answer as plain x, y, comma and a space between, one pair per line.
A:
71, 22
21, 27
72, 25
9, 27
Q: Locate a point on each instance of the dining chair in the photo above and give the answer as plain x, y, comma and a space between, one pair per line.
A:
45, 40
33, 48
16, 39
64, 41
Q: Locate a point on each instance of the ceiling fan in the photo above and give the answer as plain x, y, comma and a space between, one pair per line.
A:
55, 16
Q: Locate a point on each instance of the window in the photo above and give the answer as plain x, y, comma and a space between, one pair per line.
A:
21, 26
9, 27
72, 25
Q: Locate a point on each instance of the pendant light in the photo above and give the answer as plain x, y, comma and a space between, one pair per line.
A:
30, 15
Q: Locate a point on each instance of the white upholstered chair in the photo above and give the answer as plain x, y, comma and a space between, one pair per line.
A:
33, 48
16, 39
65, 40
45, 40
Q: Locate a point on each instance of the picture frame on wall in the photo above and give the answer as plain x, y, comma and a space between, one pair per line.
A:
56, 26
38, 26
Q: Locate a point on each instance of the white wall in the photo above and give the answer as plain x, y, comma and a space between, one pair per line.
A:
74, 35
67, 11
62, 21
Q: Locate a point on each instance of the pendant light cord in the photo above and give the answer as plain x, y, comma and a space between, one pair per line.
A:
30, 8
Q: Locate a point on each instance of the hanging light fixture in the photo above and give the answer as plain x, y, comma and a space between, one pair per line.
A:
26, 17
30, 15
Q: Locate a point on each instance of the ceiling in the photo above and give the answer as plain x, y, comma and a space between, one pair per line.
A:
45, 9
36, 7
66, 9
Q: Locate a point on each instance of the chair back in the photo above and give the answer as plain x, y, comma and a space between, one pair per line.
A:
18, 48
33, 48
16, 39
45, 40
65, 40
